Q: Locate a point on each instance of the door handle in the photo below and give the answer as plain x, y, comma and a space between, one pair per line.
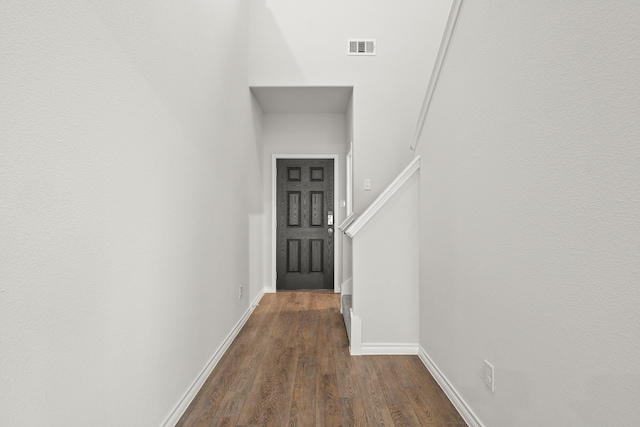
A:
330, 231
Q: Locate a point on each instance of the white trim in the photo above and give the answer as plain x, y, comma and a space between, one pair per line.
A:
274, 216
347, 221
349, 180
437, 68
378, 349
355, 342
347, 286
463, 408
193, 390
397, 183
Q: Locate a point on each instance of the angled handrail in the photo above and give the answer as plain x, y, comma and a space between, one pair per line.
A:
435, 73
347, 221
380, 201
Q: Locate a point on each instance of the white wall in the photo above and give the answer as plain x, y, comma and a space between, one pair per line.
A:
258, 257
347, 250
385, 275
128, 171
305, 43
530, 213
286, 133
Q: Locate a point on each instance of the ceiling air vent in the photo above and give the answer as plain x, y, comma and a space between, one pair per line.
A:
362, 47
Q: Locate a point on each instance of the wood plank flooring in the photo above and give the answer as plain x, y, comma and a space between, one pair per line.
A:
290, 366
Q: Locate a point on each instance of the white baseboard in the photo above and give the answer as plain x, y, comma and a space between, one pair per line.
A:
391, 349
254, 304
191, 393
463, 408
347, 286
355, 342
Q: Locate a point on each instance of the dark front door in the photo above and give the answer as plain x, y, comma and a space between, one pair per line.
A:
305, 226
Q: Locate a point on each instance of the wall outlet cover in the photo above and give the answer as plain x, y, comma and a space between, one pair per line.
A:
488, 376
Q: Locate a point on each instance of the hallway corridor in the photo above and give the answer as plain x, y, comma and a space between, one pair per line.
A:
290, 366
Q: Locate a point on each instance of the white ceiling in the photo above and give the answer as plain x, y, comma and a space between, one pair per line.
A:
327, 99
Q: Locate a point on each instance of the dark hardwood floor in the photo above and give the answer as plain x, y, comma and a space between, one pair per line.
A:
290, 366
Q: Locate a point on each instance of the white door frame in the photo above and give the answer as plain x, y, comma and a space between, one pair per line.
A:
274, 204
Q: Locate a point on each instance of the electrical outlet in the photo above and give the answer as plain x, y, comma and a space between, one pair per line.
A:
488, 376
367, 185
240, 293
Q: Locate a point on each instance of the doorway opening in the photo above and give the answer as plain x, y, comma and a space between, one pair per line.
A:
304, 249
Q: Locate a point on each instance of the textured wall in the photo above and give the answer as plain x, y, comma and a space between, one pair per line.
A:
530, 213
285, 133
304, 42
385, 274
128, 170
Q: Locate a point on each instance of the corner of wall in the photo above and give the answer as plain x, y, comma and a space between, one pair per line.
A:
456, 399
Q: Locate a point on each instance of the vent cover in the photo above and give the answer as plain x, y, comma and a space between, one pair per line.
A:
362, 47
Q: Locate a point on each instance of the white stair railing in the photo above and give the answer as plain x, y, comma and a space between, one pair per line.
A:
383, 198
384, 286
437, 68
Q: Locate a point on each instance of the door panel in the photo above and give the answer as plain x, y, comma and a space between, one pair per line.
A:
294, 209
317, 209
304, 258
293, 255
316, 255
